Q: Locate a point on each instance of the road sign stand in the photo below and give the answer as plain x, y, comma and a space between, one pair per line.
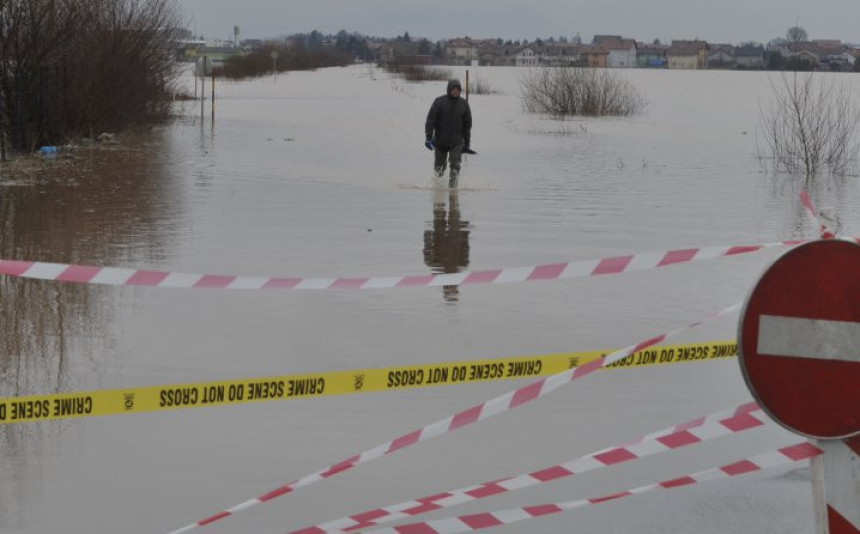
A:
836, 487
799, 348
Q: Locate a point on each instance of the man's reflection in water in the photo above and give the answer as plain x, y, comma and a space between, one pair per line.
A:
446, 246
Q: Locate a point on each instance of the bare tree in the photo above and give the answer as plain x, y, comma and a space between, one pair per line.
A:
33, 35
796, 34
70, 67
123, 69
561, 91
258, 62
811, 124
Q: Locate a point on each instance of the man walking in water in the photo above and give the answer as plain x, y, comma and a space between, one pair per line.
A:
448, 131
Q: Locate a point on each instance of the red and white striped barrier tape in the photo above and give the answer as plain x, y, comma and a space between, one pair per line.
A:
825, 230
88, 274
481, 412
699, 430
468, 523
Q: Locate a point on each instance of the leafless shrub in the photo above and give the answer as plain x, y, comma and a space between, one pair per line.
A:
416, 72
32, 34
423, 73
481, 86
811, 124
578, 91
122, 69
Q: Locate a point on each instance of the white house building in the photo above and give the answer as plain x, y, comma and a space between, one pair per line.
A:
622, 53
527, 58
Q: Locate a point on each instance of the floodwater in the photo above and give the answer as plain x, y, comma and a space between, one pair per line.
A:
323, 174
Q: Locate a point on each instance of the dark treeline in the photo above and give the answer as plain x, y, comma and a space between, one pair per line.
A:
304, 51
79, 67
259, 61
776, 61
349, 44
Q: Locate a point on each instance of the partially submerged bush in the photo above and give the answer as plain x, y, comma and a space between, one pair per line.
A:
578, 91
481, 86
810, 124
416, 72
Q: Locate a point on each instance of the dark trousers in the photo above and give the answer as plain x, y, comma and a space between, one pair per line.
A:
444, 155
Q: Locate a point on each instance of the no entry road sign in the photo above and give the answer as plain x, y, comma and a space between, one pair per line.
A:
799, 340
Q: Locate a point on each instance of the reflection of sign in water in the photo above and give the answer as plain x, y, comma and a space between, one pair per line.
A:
446, 245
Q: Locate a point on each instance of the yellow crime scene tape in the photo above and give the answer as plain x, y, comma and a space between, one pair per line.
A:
180, 396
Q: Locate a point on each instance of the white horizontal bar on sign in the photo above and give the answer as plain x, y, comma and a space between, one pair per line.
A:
817, 339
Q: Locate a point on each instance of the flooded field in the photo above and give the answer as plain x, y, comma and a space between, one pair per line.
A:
323, 174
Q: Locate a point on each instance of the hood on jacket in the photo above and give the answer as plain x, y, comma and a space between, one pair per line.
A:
452, 84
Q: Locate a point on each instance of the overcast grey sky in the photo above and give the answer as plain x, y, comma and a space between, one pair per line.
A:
731, 21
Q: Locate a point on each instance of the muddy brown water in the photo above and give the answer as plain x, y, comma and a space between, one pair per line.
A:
324, 174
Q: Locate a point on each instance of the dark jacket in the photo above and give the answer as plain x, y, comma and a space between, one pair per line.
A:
449, 122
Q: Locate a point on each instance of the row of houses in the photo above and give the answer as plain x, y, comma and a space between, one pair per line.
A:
614, 51
605, 51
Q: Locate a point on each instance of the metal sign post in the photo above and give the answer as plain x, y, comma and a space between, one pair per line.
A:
203, 68
274, 56
799, 350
